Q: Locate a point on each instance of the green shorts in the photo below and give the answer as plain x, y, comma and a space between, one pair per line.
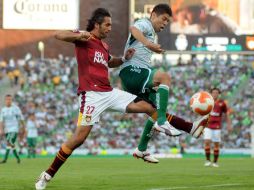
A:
11, 137
139, 81
31, 142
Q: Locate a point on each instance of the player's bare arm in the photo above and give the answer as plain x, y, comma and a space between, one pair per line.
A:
1, 129
229, 124
140, 37
70, 36
116, 61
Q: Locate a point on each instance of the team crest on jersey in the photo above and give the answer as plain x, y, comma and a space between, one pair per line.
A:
88, 118
99, 58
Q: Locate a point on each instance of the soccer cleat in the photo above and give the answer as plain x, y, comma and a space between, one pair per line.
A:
199, 126
215, 165
207, 163
147, 157
42, 181
167, 129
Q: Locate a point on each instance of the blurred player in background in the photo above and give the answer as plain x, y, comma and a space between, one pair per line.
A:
95, 92
32, 135
212, 134
11, 123
139, 78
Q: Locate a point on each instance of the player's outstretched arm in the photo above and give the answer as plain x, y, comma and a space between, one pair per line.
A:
70, 36
117, 61
138, 35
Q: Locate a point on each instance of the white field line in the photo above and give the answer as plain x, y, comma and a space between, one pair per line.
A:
197, 187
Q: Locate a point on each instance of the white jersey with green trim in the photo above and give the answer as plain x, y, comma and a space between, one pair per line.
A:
142, 55
32, 131
11, 116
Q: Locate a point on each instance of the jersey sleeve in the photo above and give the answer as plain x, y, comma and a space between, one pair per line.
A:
142, 25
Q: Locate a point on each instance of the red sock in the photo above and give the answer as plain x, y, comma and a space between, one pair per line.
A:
179, 123
216, 155
207, 152
59, 160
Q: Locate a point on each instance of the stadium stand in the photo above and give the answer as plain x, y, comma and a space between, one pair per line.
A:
48, 88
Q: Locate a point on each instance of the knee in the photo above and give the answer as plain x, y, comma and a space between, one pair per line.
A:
165, 78
207, 144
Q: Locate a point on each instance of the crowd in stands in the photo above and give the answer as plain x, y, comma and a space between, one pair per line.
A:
48, 88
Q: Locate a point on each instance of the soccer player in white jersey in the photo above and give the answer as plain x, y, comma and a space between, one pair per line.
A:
11, 122
32, 134
139, 78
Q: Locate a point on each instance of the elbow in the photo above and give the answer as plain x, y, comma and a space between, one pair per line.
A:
132, 29
56, 35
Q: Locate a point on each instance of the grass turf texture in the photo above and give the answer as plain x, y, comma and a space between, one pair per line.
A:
95, 173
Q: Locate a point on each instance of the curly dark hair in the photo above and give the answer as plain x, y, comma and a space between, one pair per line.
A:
97, 17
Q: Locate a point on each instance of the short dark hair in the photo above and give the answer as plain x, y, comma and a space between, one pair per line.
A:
216, 88
97, 17
162, 9
8, 95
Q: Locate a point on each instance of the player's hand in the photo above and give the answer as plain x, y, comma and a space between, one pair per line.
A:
85, 36
129, 53
154, 47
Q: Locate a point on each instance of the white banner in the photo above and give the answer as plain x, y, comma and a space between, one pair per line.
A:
41, 14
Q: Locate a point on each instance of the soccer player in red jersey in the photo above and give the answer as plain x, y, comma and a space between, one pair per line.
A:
95, 92
213, 131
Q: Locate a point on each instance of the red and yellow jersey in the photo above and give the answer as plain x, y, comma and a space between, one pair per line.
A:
92, 57
219, 108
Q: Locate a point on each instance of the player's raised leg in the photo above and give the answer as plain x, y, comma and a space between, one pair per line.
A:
195, 129
162, 81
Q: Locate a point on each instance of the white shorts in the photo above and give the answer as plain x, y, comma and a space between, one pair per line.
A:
92, 104
212, 134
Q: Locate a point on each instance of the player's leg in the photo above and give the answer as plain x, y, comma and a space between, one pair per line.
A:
129, 103
207, 145
65, 151
29, 147
8, 148
162, 81
139, 81
216, 138
34, 147
143, 107
195, 128
13, 144
89, 113
216, 152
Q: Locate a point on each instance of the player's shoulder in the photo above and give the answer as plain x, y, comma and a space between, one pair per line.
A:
3, 108
15, 107
222, 102
144, 21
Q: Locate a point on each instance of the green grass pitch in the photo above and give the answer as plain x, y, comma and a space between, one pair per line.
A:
96, 173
